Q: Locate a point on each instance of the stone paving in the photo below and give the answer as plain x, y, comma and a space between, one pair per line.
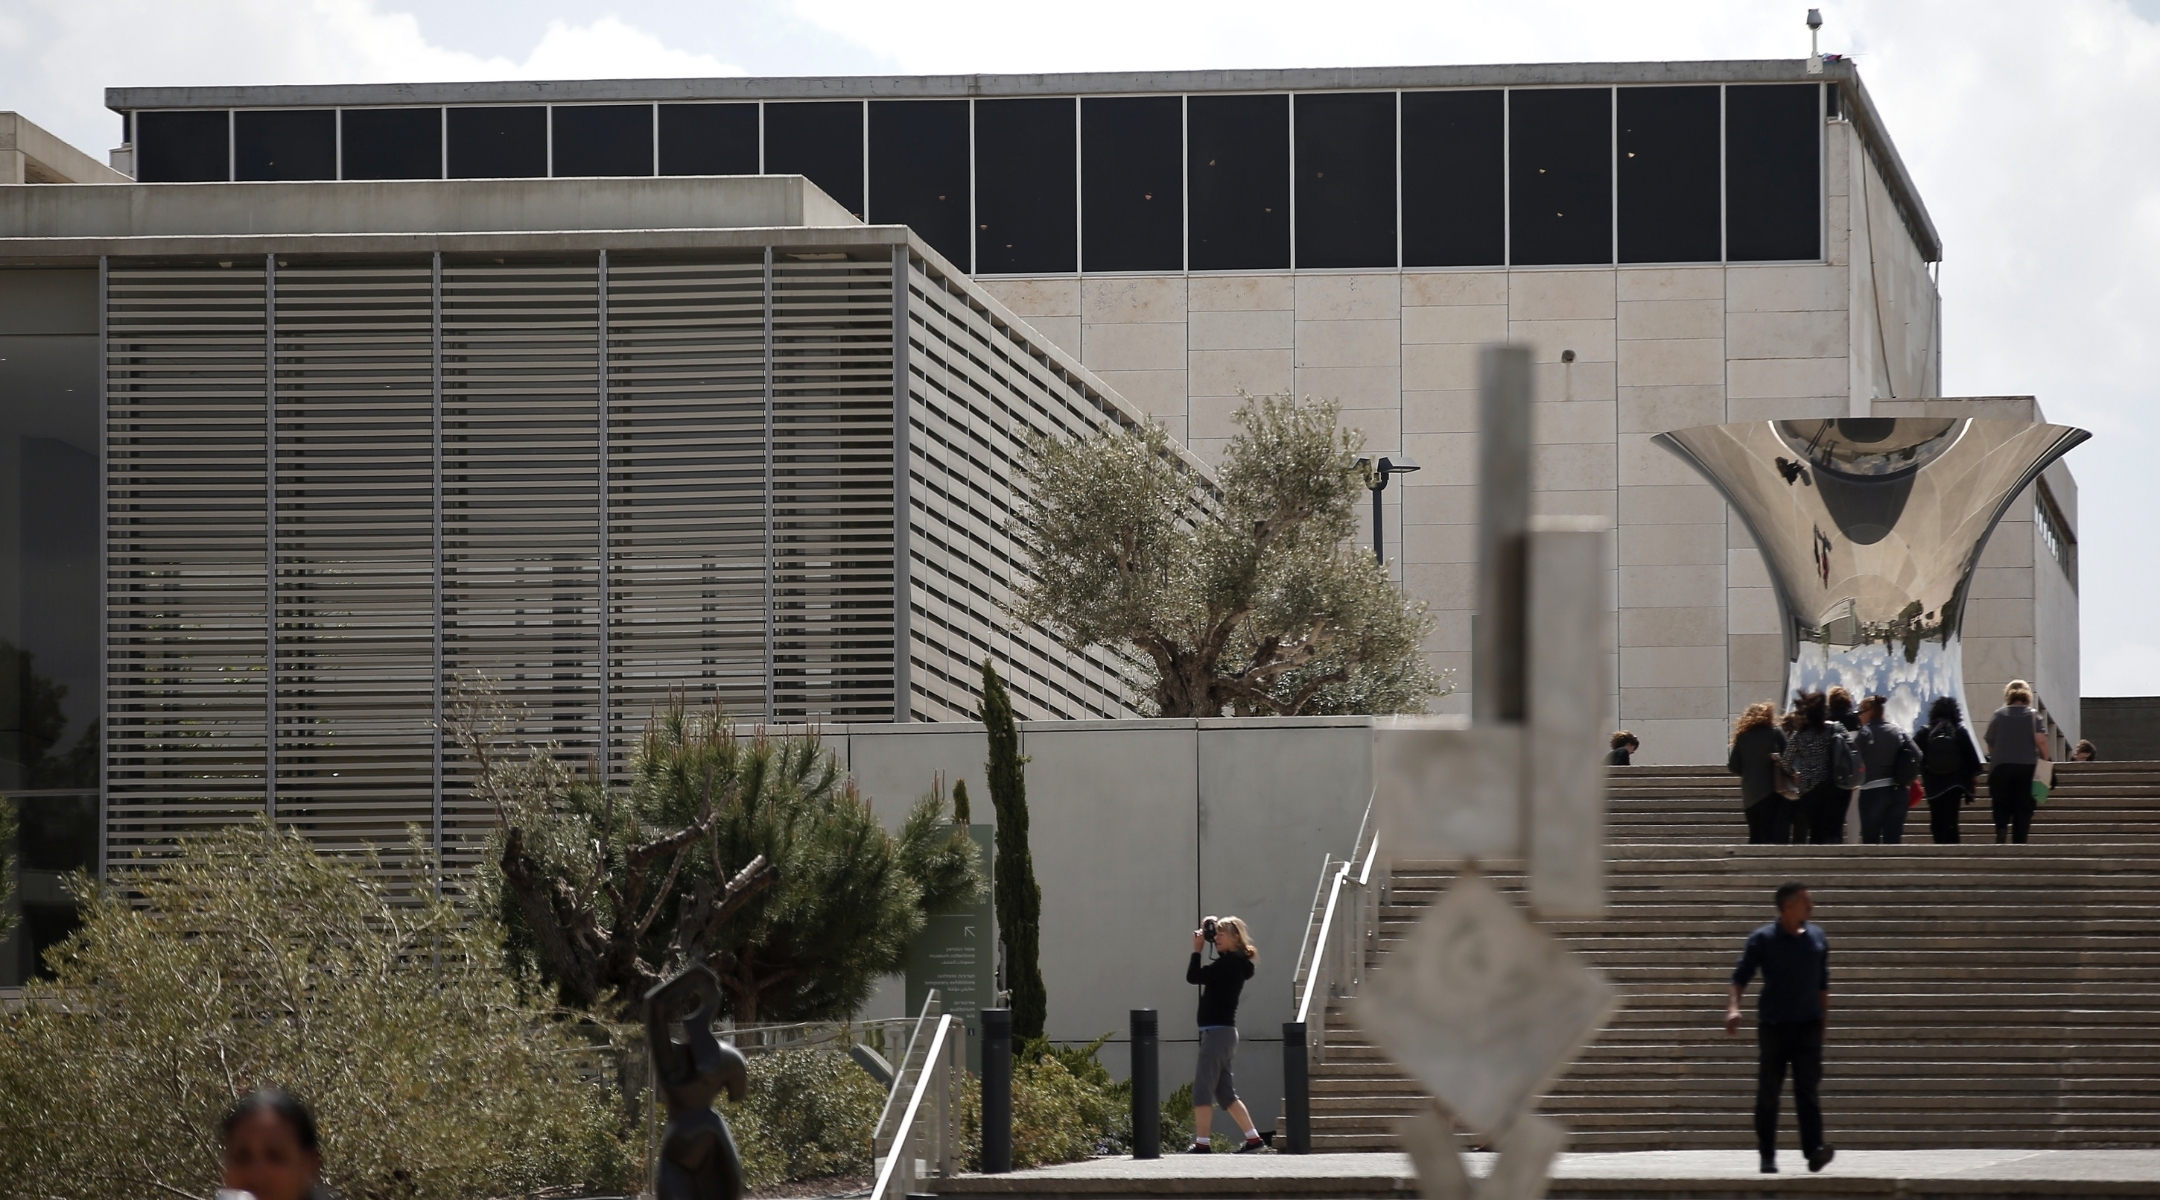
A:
1656, 1172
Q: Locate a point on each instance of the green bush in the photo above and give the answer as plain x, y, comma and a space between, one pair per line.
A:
250, 960
1065, 1107
809, 1114
1177, 1128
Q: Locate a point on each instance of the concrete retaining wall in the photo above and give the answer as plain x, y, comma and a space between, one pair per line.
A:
1138, 829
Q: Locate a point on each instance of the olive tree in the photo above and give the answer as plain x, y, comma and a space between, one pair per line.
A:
250, 960
1251, 600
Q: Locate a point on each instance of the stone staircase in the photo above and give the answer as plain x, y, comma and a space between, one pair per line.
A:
2113, 804
1982, 995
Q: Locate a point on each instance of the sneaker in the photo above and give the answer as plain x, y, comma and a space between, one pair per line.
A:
1252, 1146
1820, 1157
1200, 1148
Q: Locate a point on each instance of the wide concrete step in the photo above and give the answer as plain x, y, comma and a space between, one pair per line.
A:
1984, 995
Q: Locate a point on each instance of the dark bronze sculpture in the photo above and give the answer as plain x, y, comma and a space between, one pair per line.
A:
697, 1152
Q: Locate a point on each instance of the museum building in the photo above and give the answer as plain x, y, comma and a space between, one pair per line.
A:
357, 388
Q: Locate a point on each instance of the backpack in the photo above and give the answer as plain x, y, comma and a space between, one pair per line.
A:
1846, 770
1908, 760
1941, 756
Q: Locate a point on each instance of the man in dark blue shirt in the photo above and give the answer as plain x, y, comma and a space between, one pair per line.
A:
1794, 958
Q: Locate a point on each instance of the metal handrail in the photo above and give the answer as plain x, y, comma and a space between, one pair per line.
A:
1340, 934
906, 1072
1312, 920
880, 1034
922, 1142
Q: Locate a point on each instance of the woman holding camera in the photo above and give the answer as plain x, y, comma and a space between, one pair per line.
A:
1220, 983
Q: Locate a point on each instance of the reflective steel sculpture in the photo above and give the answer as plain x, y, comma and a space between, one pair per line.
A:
1871, 528
690, 1065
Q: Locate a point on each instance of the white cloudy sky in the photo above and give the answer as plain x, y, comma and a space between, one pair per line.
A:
2032, 128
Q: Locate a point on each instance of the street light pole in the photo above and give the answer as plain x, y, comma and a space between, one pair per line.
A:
1376, 477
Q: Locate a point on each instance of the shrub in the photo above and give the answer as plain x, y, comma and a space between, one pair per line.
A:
1065, 1107
808, 1114
1177, 1126
251, 960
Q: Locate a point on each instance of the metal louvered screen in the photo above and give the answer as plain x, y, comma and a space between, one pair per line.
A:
354, 465
186, 575
336, 485
977, 392
832, 490
687, 487
521, 502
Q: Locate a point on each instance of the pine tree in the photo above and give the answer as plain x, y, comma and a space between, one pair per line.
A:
754, 855
1019, 899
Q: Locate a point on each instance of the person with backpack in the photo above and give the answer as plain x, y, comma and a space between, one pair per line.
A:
2016, 742
1842, 712
1949, 768
1824, 769
1891, 762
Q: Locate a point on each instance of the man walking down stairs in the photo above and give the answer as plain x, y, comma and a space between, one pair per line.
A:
1794, 958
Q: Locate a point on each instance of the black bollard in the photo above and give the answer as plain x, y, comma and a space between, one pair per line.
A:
1296, 1088
1146, 1086
996, 1091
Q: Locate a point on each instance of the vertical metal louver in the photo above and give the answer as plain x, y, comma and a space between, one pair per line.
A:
353, 745
832, 532
521, 499
186, 546
687, 488
978, 392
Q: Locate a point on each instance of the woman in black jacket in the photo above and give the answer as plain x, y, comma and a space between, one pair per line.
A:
1949, 768
1220, 982
1813, 752
1756, 749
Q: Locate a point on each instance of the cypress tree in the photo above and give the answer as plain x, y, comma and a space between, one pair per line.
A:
1019, 899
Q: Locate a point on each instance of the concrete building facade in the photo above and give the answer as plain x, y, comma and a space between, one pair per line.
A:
286, 461
1679, 243
231, 501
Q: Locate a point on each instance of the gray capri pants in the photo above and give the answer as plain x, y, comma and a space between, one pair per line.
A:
1218, 1045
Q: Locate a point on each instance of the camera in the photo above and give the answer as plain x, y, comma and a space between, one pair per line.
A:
1207, 931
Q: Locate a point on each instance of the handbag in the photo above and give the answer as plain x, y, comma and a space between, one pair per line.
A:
1788, 784
1917, 795
2043, 781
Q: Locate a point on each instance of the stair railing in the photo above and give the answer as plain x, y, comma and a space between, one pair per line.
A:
915, 1138
1340, 934
907, 1069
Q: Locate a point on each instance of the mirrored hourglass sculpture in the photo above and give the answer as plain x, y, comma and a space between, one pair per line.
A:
1871, 528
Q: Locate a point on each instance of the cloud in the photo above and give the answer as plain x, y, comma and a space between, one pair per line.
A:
58, 56
609, 49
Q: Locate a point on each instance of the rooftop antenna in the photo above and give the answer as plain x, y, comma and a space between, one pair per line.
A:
1814, 39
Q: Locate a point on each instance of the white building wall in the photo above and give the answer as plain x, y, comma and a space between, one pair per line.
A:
1655, 348
1137, 829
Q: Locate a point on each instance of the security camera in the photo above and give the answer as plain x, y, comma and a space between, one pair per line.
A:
1814, 18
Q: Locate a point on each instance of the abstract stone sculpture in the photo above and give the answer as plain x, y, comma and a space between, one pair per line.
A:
1871, 528
1480, 1004
697, 1153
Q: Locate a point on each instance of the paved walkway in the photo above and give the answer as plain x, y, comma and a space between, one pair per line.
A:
1655, 1172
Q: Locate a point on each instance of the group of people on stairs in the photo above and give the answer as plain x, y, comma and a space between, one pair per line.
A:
1800, 774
